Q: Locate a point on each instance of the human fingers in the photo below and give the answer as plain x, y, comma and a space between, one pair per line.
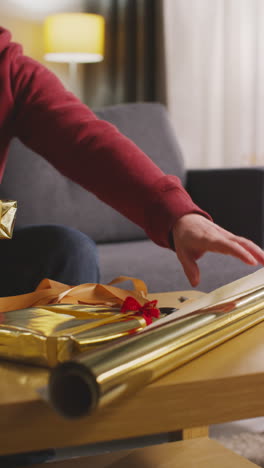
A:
249, 245
231, 246
232, 241
254, 249
190, 267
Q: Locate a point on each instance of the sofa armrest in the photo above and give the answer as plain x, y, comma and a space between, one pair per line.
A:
233, 197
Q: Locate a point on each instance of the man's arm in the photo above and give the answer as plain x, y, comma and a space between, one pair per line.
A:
93, 153
96, 155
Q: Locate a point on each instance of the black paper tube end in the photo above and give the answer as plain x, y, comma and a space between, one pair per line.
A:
73, 390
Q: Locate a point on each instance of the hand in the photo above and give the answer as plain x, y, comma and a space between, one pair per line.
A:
194, 235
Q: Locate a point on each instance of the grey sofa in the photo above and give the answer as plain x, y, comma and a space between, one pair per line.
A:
233, 196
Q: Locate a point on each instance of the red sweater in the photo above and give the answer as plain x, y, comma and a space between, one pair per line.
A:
36, 108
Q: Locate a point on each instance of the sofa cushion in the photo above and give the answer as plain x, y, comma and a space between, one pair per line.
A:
149, 126
46, 197
161, 270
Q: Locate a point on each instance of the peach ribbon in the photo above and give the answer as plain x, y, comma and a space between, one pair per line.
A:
51, 292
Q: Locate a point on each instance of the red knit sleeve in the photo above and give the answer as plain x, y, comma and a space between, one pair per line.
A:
93, 153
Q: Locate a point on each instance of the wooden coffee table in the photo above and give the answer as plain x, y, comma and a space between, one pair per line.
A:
225, 384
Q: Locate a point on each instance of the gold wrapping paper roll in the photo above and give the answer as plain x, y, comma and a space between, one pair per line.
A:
8, 209
96, 379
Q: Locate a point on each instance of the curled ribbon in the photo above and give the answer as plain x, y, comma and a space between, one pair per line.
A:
148, 310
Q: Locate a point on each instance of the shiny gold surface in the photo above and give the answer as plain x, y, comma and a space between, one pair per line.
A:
225, 384
114, 371
8, 210
83, 311
43, 337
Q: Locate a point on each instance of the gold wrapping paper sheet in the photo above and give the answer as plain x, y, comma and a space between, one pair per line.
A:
114, 371
231, 304
42, 337
8, 210
231, 290
53, 331
83, 311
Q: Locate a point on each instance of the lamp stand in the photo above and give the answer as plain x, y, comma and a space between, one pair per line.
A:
73, 69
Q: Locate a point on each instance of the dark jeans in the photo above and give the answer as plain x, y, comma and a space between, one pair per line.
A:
36, 252
49, 251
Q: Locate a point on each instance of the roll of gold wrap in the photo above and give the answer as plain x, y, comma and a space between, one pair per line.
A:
93, 380
8, 209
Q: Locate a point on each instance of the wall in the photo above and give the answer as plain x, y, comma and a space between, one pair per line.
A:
214, 66
24, 18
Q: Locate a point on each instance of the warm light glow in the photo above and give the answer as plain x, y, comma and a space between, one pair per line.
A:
74, 37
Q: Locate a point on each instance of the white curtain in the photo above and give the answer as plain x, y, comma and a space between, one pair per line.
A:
214, 73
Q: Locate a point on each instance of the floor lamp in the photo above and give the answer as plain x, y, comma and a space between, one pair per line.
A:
74, 38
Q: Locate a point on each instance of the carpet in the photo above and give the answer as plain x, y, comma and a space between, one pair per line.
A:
246, 444
245, 437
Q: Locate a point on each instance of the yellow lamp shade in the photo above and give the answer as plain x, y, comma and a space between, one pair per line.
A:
74, 37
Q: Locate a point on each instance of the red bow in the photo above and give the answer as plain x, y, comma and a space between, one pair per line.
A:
147, 311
